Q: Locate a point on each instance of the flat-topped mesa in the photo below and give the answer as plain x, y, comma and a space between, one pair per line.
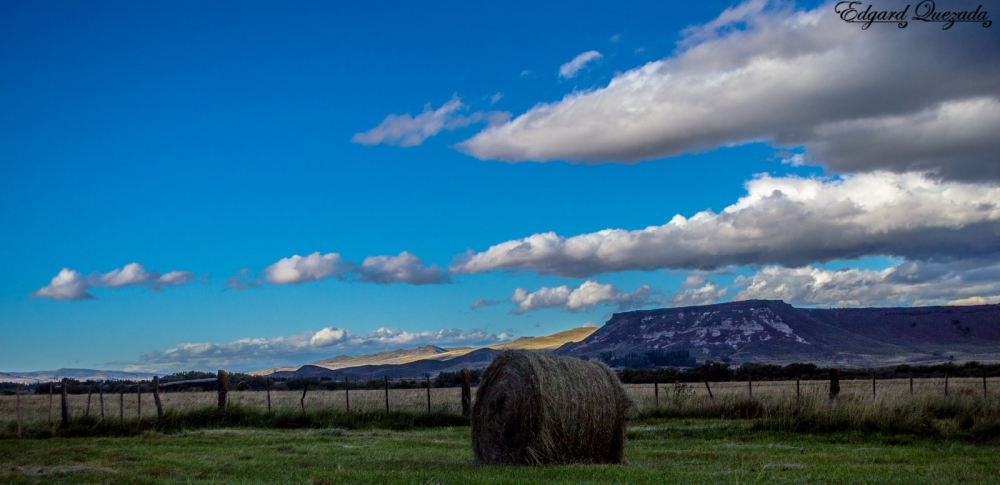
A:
772, 331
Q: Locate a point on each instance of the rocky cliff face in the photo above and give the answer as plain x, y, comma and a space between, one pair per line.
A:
775, 332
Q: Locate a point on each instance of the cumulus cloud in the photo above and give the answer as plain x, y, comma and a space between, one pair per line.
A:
571, 68
407, 131
68, 285
858, 100
299, 269
405, 268
71, 285
791, 221
255, 353
908, 283
583, 298
591, 324
704, 295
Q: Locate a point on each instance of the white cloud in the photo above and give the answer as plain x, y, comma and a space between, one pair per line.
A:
131, 274
70, 285
571, 68
705, 295
405, 268
692, 281
583, 298
256, 353
790, 221
858, 100
298, 269
407, 131
591, 324
175, 278
908, 283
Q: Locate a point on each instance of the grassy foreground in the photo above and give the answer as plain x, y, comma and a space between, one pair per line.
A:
658, 451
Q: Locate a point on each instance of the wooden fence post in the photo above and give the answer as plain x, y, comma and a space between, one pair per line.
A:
65, 402
347, 394
749, 384
945, 384
267, 383
51, 387
873, 385
656, 392
121, 407
834, 383
100, 394
428, 378
223, 388
90, 390
156, 396
466, 393
710, 396
386, 394
911, 384
17, 392
138, 399
302, 402
798, 390
984, 383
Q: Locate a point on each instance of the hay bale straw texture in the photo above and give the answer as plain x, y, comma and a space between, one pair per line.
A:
537, 408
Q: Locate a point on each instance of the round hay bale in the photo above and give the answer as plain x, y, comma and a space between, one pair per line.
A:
536, 408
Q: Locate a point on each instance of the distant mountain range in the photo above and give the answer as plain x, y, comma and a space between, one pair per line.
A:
78, 374
770, 331
424, 360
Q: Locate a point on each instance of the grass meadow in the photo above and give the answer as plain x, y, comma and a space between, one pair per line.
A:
683, 435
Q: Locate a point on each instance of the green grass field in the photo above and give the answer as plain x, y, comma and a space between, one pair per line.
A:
658, 451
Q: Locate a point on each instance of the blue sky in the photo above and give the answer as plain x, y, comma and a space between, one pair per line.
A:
210, 140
